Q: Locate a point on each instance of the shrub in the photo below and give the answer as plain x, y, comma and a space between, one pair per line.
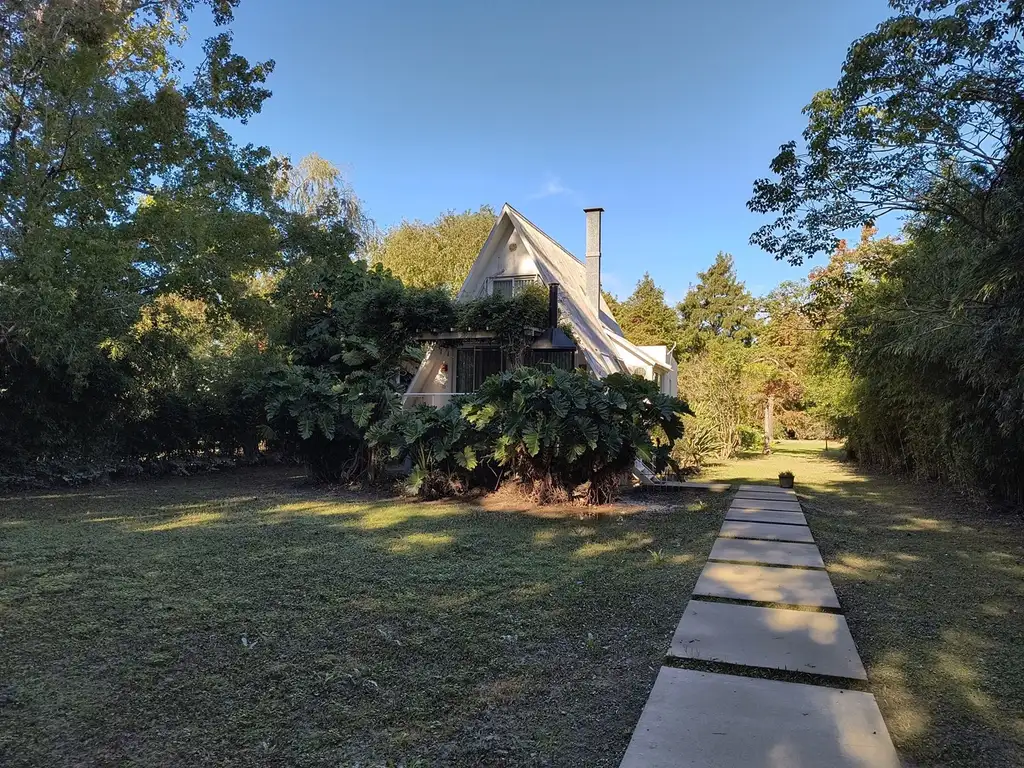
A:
446, 452
699, 444
750, 438
557, 430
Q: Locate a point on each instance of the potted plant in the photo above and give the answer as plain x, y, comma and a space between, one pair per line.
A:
785, 479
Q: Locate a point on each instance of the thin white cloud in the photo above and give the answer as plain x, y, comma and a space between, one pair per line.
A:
552, 186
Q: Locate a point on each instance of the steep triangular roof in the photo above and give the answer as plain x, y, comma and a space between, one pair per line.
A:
598, 337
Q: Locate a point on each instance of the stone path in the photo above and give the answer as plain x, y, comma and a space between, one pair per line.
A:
733, 714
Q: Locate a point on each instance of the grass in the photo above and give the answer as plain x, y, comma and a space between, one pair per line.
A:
245, 620
932, 585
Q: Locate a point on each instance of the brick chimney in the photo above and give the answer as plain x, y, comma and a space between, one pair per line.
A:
594, 258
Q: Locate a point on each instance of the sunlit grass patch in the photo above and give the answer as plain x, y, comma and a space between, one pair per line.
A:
238, 619
190, 520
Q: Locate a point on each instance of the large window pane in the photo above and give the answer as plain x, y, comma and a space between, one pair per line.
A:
521, 282
502, 288
489, 364
474, 364
507, 287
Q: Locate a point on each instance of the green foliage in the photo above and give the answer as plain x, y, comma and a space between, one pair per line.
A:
348, 331
718, 306
935, 358
644, 317
749, 437
509, 318
435, 255
120, 189
445, 450
556, 430
925, 120
700, 444
716, 385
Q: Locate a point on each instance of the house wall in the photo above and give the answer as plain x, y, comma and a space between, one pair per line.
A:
670, 380
508, 263
430, 379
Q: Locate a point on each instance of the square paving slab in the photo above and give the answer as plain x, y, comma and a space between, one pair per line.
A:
762, 583
768, 552
747, 529
772, 503
772, 489
766, 516
776, 638
765, 496
700, 719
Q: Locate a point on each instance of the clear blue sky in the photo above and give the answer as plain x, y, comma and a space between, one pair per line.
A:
661, 111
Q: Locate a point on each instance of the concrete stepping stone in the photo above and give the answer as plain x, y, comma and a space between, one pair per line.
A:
748, 529
766, 516
764, 496
774, 638
762, 583
706, 720
767, 489
767, 552
781, 506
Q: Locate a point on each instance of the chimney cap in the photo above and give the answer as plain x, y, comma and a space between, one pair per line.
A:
588, 210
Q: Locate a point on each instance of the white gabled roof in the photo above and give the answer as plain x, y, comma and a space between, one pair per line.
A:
599, 338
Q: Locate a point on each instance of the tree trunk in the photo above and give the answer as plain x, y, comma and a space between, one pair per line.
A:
769, 423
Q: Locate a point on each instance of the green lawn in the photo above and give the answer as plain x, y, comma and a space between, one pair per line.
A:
246, 620
932, 585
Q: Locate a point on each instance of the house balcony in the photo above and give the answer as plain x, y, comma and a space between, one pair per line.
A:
435, 399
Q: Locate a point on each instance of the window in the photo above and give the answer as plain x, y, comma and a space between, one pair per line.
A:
474, 364
510, 286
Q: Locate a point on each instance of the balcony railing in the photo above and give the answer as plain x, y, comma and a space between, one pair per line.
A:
436, 399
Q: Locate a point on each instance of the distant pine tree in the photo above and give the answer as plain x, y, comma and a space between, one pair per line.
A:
644, 317
718, 306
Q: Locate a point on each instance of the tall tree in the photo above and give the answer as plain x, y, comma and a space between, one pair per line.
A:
926, 119
436, 254
117, 179
645, 318
315, 187
119, 184
719, 306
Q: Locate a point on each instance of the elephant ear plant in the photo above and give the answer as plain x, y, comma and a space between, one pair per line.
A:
445, 450
557, 431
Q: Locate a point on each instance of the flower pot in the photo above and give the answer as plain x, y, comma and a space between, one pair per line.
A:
785, 482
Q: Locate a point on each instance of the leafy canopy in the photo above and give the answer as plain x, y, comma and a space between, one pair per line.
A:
718, 306
926, 120
438, 254
116, 177
644, 317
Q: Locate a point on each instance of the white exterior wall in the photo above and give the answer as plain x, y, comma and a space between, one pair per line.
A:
432, 385
508, 263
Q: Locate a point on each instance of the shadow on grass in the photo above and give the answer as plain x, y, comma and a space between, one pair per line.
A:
932, 585
241, 620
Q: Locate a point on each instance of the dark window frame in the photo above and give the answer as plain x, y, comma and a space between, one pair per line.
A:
482, 362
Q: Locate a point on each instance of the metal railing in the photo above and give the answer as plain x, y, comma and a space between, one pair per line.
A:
436, 399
